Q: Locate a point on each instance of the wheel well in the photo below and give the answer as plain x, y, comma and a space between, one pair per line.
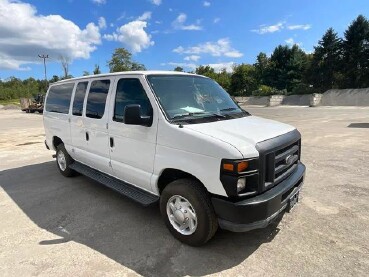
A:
171, 174
56, 142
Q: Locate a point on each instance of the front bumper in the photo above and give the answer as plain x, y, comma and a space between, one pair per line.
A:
259, 211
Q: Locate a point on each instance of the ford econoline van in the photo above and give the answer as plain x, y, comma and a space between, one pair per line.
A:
180, 140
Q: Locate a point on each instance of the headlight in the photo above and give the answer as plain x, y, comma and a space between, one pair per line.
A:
240, 177
241, 184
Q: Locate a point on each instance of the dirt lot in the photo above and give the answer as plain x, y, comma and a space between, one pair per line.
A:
51, 225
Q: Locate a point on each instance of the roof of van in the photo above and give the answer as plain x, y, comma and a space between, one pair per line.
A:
147, 72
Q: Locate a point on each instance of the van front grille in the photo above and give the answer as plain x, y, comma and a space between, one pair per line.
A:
279, 158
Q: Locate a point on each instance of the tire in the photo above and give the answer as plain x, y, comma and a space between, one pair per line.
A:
63, 160
191, 191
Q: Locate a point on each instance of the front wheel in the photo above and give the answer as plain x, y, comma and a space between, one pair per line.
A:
187, 211
63, 160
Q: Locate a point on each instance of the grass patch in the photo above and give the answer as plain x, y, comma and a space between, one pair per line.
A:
10, 102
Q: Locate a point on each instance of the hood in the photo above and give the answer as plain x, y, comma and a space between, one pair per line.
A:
244, 132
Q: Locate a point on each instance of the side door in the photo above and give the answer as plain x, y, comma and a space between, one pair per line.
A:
77, 127
57, 113
132, 147
95, 121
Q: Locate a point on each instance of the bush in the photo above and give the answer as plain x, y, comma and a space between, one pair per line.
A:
304, 89
264, 90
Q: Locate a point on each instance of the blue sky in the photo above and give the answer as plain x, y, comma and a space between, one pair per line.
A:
161, 34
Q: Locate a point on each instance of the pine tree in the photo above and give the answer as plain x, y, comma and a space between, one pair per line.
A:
326, 62
356, 53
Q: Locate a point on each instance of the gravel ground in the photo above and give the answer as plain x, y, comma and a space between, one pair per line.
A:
51, 225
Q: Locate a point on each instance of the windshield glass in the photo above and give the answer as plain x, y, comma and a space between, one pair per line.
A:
184, 96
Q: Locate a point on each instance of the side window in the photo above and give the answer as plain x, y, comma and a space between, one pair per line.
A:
79, 96
96, 99
130, 91
58, 98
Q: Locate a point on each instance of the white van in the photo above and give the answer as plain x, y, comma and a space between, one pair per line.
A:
178, 139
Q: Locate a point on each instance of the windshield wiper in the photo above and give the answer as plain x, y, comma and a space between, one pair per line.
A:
232, 109
180, 116
228, 109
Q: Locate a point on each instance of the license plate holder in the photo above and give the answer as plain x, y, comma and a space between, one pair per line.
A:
292, 201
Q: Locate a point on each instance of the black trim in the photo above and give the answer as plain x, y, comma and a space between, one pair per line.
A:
47, 146
268, 150
258, 211
137, 194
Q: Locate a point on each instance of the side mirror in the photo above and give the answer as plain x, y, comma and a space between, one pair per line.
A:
132, 116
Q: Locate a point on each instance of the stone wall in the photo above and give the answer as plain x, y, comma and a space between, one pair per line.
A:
333, 97
346, 97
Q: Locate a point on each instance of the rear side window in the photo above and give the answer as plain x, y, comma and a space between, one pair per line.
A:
96, 99
79, 96
58, 99
130, 91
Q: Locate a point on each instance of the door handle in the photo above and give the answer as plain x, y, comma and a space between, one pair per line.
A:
87, 136
111, 142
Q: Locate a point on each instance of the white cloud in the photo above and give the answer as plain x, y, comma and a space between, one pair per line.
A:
291, 42
156, 2
264, 29
99, 2
194, 58
179, 23
145, 16
191, 66
299, 27
218, 67
132, 35
24, 34
216, 20
102, 23
222, 47
206, 4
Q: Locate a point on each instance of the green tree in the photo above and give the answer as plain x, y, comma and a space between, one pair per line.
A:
122, 61
261, 66
287, 67
54, 79
296, 68
223, 78
326, 62
206, 70
178, 68
97, 69
243, 80
85, 73
356, 54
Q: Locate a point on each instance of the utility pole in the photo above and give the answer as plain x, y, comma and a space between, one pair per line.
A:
44, 57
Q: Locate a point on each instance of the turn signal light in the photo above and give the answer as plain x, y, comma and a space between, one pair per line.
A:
239, 166
228, 167
242, 166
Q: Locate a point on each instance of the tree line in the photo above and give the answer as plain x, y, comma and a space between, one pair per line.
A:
335, 63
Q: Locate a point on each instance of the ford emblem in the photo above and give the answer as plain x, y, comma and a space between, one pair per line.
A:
289, 160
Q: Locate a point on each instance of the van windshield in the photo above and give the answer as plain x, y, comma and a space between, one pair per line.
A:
187, 98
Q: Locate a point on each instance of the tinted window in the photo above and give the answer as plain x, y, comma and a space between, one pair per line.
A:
130, 91
79, 96
58, 99
97, 98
